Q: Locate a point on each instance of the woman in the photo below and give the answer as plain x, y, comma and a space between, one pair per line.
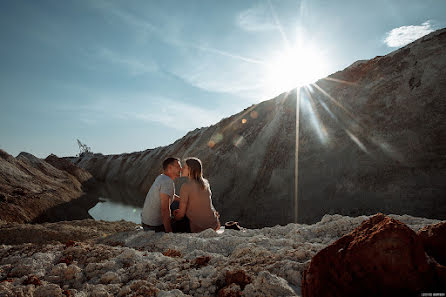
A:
195, 199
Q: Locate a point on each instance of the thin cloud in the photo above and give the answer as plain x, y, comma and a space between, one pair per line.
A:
221, 75
406, 34
211, 69
257, 18
139, 24
177, 115
136, 22
234, 74
133, 66
226, 54
141, 107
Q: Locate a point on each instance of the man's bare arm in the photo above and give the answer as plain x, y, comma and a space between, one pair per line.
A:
165, 211
176, 197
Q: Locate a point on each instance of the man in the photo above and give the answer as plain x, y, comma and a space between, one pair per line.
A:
155, 214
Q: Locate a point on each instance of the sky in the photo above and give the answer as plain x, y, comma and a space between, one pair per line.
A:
125, 76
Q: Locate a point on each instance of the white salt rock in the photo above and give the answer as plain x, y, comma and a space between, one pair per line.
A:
172, 293
110, 277
48, 290
21, 269
72, 272
98, 291
208, 233
267, 284
76, 293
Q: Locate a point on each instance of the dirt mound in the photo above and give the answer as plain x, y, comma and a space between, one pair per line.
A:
30, 186
81, 230
65, 165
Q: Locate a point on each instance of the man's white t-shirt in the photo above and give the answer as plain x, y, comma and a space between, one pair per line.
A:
151, 212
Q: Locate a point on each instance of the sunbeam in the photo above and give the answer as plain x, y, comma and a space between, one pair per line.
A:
357, 141
336, 102
296, 157
315, 120
340, 81
350, 122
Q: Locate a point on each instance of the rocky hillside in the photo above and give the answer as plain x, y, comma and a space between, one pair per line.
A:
371, 138
32, 189
88, 258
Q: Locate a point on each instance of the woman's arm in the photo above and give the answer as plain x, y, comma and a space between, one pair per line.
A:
181, 211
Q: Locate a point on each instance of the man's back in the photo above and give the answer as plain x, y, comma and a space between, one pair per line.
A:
151, 212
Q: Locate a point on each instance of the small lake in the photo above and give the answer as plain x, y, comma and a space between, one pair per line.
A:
117, 202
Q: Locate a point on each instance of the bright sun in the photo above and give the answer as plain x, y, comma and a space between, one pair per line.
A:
297, 66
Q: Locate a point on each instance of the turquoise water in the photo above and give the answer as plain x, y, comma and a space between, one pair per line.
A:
117, 203
108, 210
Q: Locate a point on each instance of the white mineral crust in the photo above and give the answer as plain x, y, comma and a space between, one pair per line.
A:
132, 263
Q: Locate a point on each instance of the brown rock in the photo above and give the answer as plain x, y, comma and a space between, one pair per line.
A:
67, 260
239, 277
70, 243
231, 290
382, 257
172, 253
433, 238
143, 288
201, 261
32, 280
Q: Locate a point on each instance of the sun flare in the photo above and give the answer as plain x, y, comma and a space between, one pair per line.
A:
295, 67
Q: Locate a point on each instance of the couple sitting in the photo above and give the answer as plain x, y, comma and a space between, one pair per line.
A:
195, 203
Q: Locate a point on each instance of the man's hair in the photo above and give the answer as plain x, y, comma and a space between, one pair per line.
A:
169, 161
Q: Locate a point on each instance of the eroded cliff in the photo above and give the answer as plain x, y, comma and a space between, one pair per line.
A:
371, 139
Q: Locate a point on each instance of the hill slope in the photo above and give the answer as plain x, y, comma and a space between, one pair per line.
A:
32, 189
371, 139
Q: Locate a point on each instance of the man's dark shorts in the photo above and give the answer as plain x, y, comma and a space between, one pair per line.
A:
181, 226
153, 228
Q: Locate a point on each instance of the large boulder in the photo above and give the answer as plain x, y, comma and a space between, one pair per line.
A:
382, 257
433, 238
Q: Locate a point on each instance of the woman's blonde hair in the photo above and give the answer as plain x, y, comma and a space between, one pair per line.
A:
196, 172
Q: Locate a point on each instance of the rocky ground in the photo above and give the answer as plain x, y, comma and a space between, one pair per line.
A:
31, 189
88, 258
386, 155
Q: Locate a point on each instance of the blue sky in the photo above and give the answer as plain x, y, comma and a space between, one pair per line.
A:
124, 76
